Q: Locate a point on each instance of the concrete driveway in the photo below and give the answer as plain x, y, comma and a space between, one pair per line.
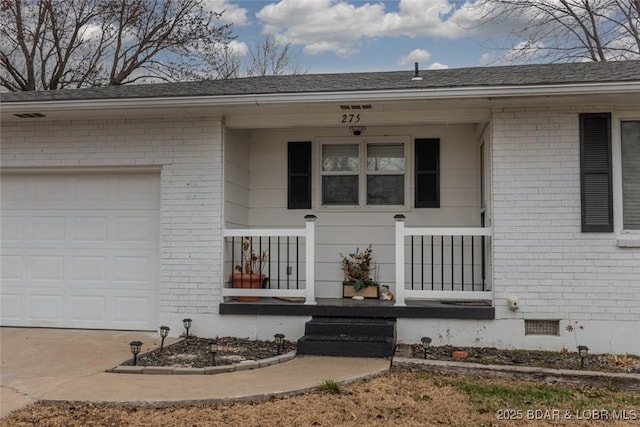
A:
69, 365
36, 362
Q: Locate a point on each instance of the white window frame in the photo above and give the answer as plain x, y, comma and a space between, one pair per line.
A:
363, 173
626, 237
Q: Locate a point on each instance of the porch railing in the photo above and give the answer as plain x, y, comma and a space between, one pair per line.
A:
289, 263
441, 263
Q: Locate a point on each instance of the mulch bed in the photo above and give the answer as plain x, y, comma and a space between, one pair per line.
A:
193, 352
532, 358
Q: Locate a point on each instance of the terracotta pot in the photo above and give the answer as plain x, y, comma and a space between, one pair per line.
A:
459, 355
248, 281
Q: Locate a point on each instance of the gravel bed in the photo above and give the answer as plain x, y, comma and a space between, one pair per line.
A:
193, 352
533, 358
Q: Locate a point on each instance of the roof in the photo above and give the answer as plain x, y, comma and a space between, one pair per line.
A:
517, 75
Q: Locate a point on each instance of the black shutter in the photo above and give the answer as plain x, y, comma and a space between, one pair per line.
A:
595, 172
427, 173
299, 175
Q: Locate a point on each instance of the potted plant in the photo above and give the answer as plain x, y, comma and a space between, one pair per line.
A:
249, 275
358, 269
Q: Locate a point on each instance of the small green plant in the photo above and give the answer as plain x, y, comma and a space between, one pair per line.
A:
331, 387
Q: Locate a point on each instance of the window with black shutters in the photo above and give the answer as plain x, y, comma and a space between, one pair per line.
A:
595, 172
427, 173
299, 175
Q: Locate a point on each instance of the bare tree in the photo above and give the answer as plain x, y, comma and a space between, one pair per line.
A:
568, 30
55, 44
268, 57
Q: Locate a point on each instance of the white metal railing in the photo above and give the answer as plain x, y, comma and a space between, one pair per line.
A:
451, 264
266, 240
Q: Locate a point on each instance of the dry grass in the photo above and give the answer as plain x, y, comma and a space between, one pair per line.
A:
399, 398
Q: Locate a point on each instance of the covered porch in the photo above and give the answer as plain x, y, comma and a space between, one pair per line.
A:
439, 273
410, 180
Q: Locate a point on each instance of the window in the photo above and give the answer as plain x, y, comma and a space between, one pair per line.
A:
630, 150
366, 173
595, 172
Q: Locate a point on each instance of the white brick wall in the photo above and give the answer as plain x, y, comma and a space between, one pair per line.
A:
189, 152
541, 255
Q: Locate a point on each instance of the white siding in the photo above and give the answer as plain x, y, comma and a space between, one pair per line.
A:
344, 231
189, 152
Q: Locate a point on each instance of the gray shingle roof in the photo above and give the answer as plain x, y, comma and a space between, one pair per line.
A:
520, 75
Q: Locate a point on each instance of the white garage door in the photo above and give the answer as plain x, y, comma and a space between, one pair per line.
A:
79, 250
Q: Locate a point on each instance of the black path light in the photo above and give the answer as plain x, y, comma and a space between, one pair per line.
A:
426, 342
164, 332
213, 349
135, 350
187, 325
583, 350
279, 340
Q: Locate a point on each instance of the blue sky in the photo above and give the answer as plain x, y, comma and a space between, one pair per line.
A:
345, 36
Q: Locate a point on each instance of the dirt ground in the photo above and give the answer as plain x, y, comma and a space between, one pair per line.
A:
399, 398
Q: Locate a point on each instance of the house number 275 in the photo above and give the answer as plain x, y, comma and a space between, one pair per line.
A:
350, 118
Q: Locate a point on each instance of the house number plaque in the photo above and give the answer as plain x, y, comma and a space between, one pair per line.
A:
350, 118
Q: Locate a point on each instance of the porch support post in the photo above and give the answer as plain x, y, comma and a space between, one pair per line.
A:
400, 260
310, 259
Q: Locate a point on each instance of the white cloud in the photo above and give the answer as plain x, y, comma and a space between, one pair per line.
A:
339, 26
415, 55
233, 13
437, 66
238, 48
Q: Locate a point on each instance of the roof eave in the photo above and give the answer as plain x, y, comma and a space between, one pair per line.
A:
492, 92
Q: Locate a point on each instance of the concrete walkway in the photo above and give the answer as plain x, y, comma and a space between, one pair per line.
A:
65, 364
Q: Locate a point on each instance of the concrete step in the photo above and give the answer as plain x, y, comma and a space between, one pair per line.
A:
351, 326
346, 346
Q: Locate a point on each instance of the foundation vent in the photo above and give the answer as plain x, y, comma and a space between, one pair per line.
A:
542, 327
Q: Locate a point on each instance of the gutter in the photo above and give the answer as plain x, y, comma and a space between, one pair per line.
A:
493, 92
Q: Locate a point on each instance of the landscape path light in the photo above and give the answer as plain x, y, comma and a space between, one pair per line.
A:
426, 342
279, 339
136, 346
213, 349
583, 350
187, 325
164, 332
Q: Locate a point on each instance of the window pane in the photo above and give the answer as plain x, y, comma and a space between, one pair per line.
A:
385, 190
340, 157
631, 174
385, 157
340, 190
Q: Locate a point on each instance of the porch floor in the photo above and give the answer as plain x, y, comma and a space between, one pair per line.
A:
346, 307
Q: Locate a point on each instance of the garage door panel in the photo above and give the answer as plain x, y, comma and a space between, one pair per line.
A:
11, 267
76, 253
47, 268
10, 303
130, 308
47, 229
133, 270
89, 268
87, 308
12, 229
45, 305
93, 229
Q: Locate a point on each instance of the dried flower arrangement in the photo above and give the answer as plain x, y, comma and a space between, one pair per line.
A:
252, 262
358, 268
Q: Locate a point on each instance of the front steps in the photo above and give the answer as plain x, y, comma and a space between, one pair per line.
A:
348, 337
